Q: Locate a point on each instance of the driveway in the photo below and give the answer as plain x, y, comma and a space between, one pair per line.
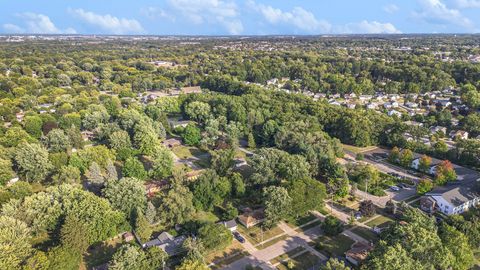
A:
262, 257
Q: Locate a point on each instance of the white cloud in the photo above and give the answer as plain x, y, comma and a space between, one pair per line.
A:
220, 12
109, 23
156, 13
391, 8
13, 29
436, 12
468, 3
36, 24
297, 17
367, 27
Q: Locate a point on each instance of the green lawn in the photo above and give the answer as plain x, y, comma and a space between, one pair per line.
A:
304, 261
299, 221
365, 233
356, 149
101, 253
255, 235
287, 255
333, 245
184, 152
380, 221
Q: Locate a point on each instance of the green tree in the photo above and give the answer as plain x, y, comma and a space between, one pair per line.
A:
307, 194
142, 227
191, 135
6, 172
134, 168
15, 244
277, 205
128, 257
176, 206
392, 257
198, 111
126, 194
162, 162
332, 226
32, 162
33, 125
215, 237
406, 158
192, 265
335, 264
74, 234
57, 141
424, 163
424, 186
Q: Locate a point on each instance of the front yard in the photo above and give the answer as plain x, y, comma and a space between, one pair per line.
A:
256, 235
366, 234
333, 246
380, 221
304, 261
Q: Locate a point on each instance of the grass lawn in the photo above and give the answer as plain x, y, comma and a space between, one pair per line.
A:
255, 235
304, 261
333, 245
219, 256
102, 253
356, 149
309, 226
299, 221
272, 242
287, 255
365, 233
380, 221
205, 217
184, 152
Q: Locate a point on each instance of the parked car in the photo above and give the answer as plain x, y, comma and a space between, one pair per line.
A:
239, 237
357, 215
394, 188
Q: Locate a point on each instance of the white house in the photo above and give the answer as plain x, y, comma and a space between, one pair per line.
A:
459, 134
455, 198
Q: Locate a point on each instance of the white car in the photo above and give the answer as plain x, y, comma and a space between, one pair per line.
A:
394, 188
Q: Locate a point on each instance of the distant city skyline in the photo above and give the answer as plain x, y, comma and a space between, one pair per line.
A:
239, 17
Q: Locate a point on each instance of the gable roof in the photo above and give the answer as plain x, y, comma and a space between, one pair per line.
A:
456, 194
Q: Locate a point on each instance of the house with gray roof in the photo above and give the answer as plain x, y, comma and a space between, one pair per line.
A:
171, 245
455, 198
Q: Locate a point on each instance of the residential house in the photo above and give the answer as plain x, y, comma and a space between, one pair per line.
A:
176, 123
371, 106
251, 218
171, 245
87, 135
394, 112
193, 175
455, 198
443, 103
153, 187
411, 105
128, 237
365, 97
172, 142
231, 225
459, 134
437, 129
413, 123
20, 116
428, 204
358, 253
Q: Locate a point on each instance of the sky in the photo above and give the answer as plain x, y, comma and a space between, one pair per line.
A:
239, 17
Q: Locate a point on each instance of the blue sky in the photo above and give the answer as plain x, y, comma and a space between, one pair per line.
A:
240, 17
